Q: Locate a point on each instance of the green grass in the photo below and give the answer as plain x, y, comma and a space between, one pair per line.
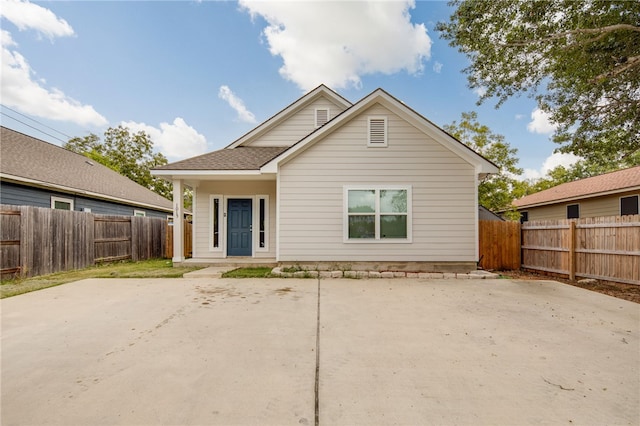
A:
261, 272
157, 268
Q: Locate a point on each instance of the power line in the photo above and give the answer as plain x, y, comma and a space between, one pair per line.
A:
35, 128
35, 121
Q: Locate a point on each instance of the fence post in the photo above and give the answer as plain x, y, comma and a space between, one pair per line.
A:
572, 250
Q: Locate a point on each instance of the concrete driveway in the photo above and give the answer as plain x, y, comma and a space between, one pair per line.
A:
403, 352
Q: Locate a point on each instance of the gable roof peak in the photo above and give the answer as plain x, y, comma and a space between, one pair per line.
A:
286, 112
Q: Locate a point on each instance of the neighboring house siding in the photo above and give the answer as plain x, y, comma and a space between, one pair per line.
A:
593, 207
203, 227
297, 126
443, 195
14, 194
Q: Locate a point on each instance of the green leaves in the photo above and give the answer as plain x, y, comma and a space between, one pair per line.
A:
580, 60
497, 191
130, 154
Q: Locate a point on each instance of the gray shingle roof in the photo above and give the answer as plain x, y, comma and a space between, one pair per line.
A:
29, 158
240, 158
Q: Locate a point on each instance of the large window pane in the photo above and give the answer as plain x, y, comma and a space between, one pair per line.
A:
362, 201
362, 227
393, 201
393, 226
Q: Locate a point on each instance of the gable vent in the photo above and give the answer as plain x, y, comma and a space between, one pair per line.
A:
322, 116
377, 131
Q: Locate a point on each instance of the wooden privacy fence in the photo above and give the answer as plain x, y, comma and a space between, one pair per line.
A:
606, 248
187, 240
37, 241
499, 245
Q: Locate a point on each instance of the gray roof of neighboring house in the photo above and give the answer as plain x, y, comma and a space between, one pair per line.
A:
240, 158
32, 161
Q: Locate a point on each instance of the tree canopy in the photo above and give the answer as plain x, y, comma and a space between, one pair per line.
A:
130, 154
579, 59
496, 191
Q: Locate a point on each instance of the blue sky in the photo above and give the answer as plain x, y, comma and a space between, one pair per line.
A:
196, 75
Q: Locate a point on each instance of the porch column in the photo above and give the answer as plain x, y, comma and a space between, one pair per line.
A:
178, 218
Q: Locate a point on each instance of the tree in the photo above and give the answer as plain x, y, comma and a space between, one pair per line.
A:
579, 59
497, 191
130, 154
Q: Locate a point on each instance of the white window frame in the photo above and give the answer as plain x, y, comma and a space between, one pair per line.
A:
256, 224
139, 213
377, 239
61, 200
221, 225
386, 131
316, 116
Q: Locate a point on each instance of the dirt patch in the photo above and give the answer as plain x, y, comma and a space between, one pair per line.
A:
630, 292
283, 291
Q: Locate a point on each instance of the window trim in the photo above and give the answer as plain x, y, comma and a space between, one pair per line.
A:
257, 223
221, 215
328, 110
524, 216
637, 197
61, 200
386, 131
139, 213
567, 210
377, 239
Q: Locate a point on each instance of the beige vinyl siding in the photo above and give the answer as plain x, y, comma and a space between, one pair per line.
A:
297, 126
443, 196
202, 227
608, 205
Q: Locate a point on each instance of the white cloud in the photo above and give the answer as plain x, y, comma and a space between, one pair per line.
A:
237, 104
176, 141
21, 91
336, 43
437, 67
480, 91
541, 123
519, 116
551, 162
26, 15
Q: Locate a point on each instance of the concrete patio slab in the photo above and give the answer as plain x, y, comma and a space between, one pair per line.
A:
392, 351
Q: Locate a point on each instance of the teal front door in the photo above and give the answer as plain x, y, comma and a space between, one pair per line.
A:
239, 227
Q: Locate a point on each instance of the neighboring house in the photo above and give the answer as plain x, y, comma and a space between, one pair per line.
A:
372, 184
36, 173
611, 194
486, 214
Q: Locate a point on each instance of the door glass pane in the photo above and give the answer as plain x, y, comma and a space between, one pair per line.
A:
362, 227
362, 201
393, 226
393, 201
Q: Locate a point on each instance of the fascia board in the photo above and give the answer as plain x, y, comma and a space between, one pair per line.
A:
171, 173
70, 190
288, 111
